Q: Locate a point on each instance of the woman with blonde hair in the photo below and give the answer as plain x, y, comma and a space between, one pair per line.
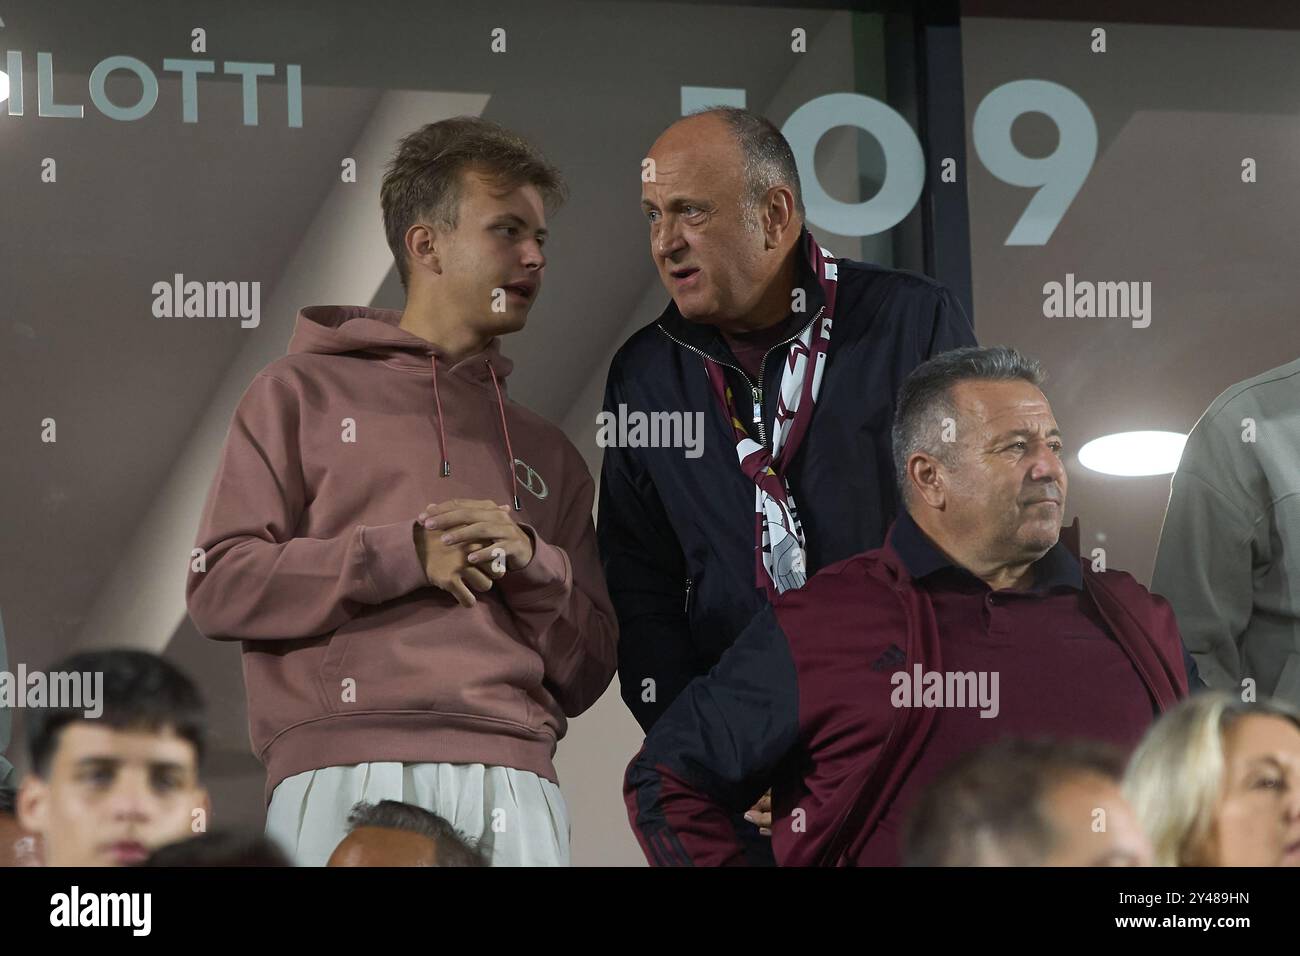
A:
1216, 782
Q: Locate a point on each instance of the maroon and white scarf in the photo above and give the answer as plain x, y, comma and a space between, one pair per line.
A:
780, 563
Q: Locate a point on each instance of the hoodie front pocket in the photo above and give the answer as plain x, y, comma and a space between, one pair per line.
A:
333, 681
427, 654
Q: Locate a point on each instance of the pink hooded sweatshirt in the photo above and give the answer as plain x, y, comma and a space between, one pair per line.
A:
308, 535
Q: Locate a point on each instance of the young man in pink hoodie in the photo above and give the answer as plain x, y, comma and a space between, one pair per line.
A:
408, 557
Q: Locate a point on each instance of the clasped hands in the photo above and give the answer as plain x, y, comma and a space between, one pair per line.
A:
466, 545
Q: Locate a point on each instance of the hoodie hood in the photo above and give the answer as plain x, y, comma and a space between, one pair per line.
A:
339, 329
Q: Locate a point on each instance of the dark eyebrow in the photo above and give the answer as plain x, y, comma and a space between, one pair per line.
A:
98, 762
112, 762
511, 218
168, 765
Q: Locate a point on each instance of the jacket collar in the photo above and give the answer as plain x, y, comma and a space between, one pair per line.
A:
707, 339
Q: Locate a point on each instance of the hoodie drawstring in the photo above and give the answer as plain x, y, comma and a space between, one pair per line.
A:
442, 435
514, 478
505, 430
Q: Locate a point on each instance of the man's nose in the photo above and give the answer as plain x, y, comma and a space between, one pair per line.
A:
667, 240
533, 259
131, 799
1047, 466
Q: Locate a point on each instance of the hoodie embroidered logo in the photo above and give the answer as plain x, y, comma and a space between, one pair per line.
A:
531, 479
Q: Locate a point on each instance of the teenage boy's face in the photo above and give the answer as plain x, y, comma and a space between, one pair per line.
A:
113, 796
492, 262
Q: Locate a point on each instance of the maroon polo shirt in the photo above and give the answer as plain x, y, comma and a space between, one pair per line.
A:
1061, 673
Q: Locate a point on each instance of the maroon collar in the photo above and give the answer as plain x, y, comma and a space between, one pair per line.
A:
1059, 567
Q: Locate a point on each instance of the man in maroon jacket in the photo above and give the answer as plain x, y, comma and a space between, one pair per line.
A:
974, 622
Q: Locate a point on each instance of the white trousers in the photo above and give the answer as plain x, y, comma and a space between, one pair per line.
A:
516, 817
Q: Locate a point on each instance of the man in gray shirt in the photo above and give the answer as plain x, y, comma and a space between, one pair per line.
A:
1227, 551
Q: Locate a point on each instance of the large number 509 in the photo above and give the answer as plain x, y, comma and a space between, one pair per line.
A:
1057, 177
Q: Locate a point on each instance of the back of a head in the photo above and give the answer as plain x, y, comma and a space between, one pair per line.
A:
452, 847
139, 691
987, 807
219, 849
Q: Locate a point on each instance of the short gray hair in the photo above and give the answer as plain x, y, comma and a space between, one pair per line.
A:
454, 848
925, 399
769, 161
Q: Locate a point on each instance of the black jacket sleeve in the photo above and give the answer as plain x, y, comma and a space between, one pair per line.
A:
646, 575
718, 747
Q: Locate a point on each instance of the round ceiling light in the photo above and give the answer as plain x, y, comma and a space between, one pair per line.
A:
1133, 454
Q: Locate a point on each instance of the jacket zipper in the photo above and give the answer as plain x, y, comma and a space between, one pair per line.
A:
839, 844
687, 608
755, 391
762, 367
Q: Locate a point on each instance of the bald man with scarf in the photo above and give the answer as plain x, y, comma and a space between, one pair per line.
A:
793, 356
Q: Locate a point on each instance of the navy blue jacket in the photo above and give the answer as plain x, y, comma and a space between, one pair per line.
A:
677, 535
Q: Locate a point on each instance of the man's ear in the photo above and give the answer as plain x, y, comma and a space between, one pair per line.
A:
777, 216
926, 477
423, 246
33, 804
